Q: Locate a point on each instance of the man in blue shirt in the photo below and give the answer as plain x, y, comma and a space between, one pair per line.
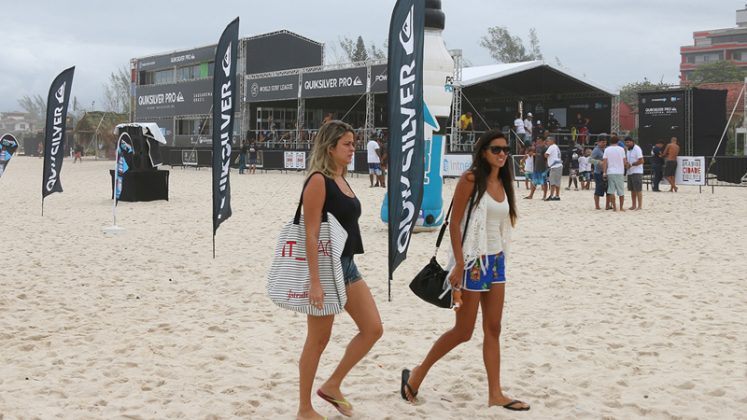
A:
596, 159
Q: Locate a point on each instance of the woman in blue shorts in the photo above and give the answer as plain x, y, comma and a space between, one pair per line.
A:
477, 265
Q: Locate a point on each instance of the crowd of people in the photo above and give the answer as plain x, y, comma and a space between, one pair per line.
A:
608, 164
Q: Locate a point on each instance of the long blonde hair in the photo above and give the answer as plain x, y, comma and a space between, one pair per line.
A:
327, 137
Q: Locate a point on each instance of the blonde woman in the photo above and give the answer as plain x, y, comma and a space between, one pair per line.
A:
478, 266
327, 190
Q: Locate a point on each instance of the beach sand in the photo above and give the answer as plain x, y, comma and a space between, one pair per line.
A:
639, 314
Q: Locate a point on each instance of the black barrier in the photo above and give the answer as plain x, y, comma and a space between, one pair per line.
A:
143, 185
730, 169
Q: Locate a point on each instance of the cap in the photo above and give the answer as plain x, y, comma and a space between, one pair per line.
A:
628, 138
603, 136
529, 114
539, 122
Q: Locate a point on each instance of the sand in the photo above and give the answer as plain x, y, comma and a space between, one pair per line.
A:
607, 315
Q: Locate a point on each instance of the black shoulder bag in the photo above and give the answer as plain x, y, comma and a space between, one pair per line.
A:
430, 284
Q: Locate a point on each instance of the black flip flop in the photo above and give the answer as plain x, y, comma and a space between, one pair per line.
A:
510, 406
404, 384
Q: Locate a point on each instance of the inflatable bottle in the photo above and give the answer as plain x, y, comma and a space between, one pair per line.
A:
438, 70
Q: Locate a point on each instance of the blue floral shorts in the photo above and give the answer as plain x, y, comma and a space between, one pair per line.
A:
477, 280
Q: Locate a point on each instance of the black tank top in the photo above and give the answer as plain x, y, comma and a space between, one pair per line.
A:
347, 211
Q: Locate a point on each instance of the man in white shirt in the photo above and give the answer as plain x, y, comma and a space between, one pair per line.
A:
374, 163
528, 127
634, 156
613, 166
521, 132
555, 163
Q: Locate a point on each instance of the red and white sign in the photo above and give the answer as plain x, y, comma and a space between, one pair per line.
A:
691, 170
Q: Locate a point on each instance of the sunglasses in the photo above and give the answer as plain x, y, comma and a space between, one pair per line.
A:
498, 149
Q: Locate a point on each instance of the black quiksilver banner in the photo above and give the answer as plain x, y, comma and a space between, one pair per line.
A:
54, 138
406, 147
225, 91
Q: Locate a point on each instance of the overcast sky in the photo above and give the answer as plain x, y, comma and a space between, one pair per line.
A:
611, 42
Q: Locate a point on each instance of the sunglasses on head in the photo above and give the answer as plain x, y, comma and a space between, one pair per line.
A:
498, 149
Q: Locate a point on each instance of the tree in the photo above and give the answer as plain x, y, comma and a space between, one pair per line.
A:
629, 92
117, 91
718, 72
505, 48
35, 105
356, 50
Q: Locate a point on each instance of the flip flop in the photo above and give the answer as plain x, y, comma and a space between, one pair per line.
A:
510, 406
338, 404
404, 384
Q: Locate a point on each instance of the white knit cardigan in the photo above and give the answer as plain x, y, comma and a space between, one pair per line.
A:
476, 240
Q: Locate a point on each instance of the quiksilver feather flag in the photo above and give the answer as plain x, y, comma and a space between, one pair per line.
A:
8, 146
224, 102
406, 147
54, 138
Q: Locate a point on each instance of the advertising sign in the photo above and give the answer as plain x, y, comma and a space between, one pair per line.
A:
455, 165
294, 160
691, 170
379, 78
177, 59
185, 98
324, 84
272, 88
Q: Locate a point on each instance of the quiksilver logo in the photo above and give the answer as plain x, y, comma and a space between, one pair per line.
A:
227, 60
60, 94
406, 35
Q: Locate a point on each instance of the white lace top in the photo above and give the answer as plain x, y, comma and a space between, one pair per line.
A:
476, 240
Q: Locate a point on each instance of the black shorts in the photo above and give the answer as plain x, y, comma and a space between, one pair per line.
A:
635, 182
670, 168
600, 186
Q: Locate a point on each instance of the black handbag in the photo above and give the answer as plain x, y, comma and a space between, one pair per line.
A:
430, 284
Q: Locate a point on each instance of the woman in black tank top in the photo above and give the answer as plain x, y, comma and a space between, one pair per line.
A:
327, 190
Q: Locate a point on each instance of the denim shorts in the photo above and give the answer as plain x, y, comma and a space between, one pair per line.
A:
477, 280
350, 271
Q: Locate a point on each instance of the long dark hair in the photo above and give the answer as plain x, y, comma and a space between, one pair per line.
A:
481, 170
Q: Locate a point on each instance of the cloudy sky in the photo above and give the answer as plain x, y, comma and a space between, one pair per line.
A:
611, 42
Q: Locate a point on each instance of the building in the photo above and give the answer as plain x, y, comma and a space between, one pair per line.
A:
16, 122
716, 45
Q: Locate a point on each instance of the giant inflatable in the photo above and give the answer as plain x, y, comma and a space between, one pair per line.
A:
438, 70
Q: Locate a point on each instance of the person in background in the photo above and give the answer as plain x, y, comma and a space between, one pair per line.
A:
539, 176
528, 128
634, 165
478, 266
613, 164
528, 167
657, 165
596, 159
253, 155
78, 150
584, 169
384, 157
573, 168
555, 163
374, 163
520, 131
670, 163
552, 123
242, 157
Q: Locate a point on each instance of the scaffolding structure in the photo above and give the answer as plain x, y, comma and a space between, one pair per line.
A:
456, 103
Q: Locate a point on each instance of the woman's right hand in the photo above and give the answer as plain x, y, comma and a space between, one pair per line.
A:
316, 294
456, 276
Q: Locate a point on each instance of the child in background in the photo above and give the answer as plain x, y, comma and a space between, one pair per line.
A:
528, 161
584, 169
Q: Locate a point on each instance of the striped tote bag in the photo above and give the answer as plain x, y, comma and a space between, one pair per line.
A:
288, 280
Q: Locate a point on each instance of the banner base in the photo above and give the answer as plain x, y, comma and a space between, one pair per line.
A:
114, 230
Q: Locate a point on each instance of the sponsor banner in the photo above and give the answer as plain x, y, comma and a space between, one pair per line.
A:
661, 116
54, 137
379, 78
324, 84
189, 157
225, 93
177, 59
294, 160
456, 165
272, 88
185, 98
8, 146
406, 125
691, 170
124, 150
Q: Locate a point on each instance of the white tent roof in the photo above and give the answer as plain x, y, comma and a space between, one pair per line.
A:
149, 130
475, 75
